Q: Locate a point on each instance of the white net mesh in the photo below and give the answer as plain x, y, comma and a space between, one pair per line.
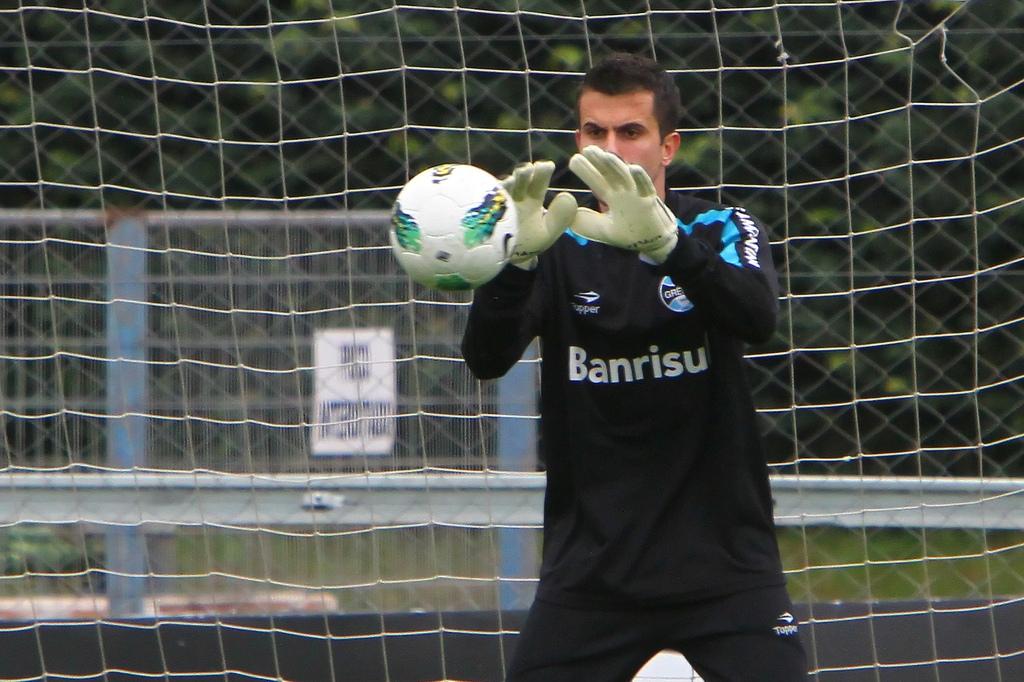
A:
194, 193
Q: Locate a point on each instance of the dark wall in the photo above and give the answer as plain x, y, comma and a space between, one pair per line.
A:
887, 647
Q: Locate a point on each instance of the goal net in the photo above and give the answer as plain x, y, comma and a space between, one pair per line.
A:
238, 443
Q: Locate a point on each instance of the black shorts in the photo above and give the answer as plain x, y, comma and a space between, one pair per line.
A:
750, 635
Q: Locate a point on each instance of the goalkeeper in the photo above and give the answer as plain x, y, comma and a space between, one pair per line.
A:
658, 529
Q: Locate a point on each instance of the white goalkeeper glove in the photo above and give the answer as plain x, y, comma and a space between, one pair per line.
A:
537, 228
637, 219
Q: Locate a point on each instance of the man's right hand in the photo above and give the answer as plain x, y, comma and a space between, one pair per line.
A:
537, 228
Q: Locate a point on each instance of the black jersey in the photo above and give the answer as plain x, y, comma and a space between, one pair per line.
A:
657, 484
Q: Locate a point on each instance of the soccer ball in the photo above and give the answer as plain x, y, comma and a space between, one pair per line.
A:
453, 227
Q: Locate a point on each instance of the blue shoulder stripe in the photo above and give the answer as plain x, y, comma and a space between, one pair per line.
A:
717, 215
730, 238
730, 233
580, 239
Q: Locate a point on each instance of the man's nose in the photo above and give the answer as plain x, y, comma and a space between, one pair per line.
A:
611, 143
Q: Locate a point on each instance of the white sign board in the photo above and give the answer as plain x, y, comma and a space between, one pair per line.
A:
355, 391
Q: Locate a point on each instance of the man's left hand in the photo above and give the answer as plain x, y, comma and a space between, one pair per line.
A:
637, 219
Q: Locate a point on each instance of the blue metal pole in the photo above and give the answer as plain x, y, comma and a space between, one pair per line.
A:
517, 451
127, 392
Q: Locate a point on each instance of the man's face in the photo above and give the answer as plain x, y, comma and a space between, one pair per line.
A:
625, 125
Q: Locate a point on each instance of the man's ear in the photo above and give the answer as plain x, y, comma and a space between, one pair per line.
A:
669, 147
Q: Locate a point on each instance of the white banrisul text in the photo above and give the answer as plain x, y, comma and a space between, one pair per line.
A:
655, 365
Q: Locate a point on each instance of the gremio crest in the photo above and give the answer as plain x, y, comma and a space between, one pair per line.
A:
673, 296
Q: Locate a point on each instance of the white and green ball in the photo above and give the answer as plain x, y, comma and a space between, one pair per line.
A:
453, 227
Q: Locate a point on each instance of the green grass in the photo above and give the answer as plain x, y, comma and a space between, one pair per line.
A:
838, 564
822, 564
440, 568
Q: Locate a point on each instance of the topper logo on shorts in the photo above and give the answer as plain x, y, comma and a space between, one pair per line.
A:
787, 627
627, 370
673, 296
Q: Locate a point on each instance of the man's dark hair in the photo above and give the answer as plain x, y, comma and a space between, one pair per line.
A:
622, 73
